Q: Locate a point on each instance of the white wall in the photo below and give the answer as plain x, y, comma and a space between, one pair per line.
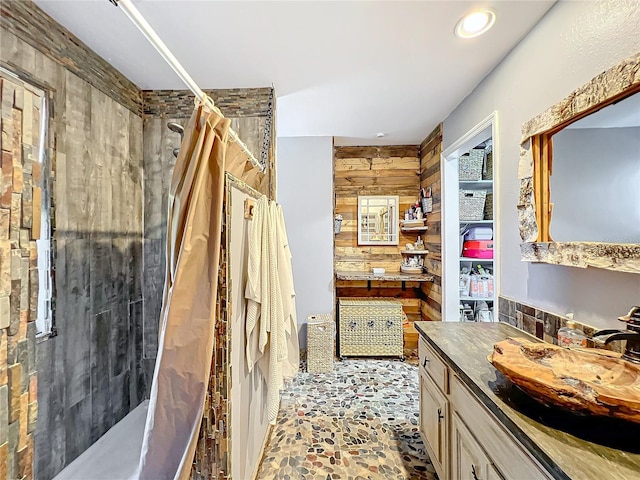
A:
574, 42
305, 191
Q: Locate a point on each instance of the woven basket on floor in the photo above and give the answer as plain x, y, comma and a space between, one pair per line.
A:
370, 327
320, 333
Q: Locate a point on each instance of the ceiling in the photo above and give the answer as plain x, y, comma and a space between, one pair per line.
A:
346, 69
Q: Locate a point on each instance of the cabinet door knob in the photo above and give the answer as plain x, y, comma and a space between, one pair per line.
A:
440, 416
473, 472
424, 364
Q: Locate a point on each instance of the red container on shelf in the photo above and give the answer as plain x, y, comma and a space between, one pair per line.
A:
478, 249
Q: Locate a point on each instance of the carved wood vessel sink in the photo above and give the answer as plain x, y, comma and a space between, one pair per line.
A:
586, 381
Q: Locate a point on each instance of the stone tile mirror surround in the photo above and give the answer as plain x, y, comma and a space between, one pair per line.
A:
534, 206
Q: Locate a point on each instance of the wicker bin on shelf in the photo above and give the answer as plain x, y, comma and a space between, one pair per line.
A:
369, 327
487, 171
488, 207
320, 333
470, 165
472, 205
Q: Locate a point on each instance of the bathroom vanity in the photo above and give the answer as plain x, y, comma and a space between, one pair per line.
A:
479, 426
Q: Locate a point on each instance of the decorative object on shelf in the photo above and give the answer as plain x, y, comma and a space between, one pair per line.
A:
471, 164
320, 334
413, 257
426, 200
411, 269
413, 223
472, 204
586, 381
337, 223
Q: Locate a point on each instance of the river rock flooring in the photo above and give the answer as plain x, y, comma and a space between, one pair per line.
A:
358, 422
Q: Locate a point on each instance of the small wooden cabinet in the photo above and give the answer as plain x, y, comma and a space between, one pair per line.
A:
462, 437
468, 460
434, 423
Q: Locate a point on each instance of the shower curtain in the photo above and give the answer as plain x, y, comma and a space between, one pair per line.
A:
187, 320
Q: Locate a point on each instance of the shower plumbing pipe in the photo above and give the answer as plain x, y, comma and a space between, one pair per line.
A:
139, 21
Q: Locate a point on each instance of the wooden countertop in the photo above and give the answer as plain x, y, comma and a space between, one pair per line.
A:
567, 445
385, 277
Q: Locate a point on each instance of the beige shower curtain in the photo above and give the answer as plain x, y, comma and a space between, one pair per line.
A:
187, 320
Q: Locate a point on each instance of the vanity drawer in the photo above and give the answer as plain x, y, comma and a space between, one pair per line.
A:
432, 364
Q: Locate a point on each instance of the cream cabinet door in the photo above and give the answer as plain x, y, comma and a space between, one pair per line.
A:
434, 415
469, 462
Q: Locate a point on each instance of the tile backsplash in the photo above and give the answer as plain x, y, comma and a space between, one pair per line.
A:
545, 325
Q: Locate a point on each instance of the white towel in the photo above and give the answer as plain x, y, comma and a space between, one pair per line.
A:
272, 336
291, 364
253, 290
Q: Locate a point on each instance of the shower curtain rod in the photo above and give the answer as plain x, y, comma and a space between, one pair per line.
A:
139, 21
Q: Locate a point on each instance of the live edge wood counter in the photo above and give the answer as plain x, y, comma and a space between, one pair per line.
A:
567, 446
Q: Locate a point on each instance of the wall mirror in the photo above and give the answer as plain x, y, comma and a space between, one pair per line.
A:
378, 220
580, 175
595, 180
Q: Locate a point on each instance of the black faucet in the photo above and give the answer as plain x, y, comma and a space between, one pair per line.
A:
631, 335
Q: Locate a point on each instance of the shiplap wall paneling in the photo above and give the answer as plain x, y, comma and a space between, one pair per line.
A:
430, 151
386, 170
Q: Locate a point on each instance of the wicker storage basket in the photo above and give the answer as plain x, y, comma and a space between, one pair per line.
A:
320, 329
488, 207
369, 327
472, 204
470, 165
487, 171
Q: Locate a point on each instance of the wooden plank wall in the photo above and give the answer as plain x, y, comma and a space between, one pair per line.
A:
430, 150
92, 373
32, 25
385, 170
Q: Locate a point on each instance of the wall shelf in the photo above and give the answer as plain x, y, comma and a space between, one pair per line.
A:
476, 299
414, 229
476, 184
385, 277
414, 252
479, 260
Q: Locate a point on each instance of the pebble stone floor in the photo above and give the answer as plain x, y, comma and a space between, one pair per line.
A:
358, 422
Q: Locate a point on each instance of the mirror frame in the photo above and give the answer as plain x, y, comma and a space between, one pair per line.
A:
396, 221
535, 206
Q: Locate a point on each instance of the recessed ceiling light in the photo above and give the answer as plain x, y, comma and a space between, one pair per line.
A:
380, 135
475, 23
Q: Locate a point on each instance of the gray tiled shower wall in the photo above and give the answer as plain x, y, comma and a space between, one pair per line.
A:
544, 325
